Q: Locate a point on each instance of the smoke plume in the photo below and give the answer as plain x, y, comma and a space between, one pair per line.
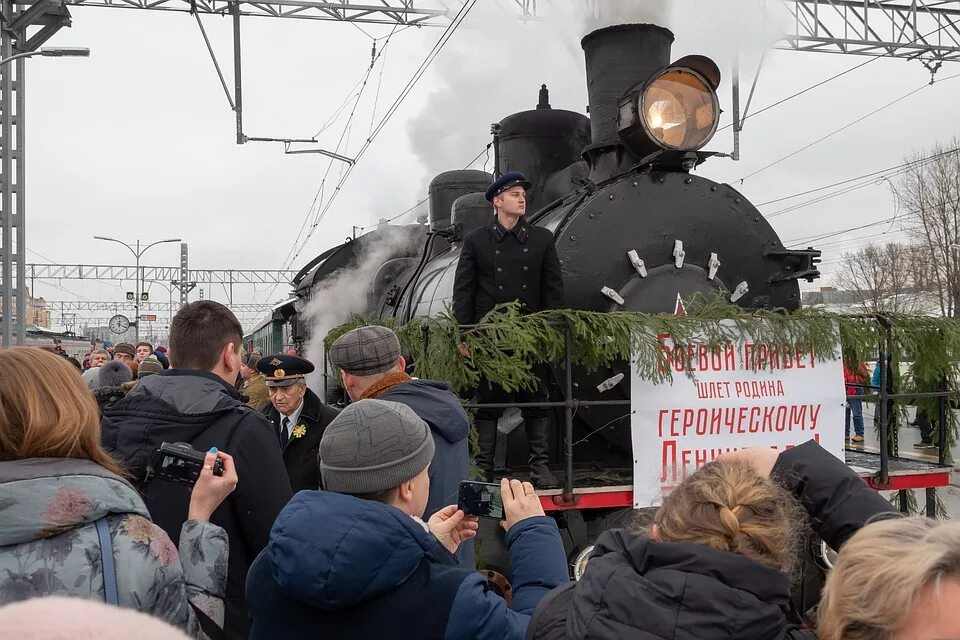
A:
604, 13
347, 291
495, 63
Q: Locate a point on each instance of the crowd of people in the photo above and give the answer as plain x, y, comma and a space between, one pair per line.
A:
373, 543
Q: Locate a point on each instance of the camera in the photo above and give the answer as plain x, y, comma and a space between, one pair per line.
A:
179, 462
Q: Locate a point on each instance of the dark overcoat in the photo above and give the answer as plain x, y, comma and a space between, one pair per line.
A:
301, 454
501, 266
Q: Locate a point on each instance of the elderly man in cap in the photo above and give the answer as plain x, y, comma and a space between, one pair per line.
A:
253, 387
356, 560
124, 352
297, 415
503, 261
371, 367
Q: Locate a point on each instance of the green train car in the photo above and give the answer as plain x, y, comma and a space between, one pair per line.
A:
273, 334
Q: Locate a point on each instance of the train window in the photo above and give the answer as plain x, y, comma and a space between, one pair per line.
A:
680, 110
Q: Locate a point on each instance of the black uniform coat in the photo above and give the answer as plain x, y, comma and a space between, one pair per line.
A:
498, 266
301, 455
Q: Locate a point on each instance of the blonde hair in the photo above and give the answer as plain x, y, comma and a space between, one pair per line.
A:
880, 573
46, 410
730, 507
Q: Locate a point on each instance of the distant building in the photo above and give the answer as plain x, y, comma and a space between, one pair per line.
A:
35, 310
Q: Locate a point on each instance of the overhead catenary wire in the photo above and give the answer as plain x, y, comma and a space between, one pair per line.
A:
824, 236
844, 127
923, 37
430, 57
423, 200
878, 174
344, 136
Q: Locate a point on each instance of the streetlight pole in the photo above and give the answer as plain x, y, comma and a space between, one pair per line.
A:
48, 52
137, 253
13, 162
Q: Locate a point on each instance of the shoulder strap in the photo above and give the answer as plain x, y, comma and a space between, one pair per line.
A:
106, 558
208, 625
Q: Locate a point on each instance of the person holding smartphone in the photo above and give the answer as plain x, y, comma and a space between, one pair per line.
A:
357, 561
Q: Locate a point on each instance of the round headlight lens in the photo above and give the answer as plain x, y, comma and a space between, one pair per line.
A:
680, 110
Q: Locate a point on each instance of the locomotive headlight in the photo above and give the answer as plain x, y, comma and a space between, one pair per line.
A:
679, 110
675, 110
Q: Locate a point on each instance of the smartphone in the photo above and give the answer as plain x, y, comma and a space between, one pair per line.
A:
481, 499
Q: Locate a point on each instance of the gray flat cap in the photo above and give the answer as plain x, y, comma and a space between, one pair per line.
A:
373, 446
366, 351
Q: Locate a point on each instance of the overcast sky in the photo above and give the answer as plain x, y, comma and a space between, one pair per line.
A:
138, 141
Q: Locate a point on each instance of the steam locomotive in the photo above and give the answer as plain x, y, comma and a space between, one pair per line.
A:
635, 228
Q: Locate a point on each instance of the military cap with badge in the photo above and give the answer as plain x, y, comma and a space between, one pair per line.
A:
506, 181
281, 370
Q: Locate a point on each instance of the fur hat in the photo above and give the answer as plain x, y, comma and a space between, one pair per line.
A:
114, 374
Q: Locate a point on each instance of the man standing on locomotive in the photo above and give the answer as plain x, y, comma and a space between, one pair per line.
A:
504, 261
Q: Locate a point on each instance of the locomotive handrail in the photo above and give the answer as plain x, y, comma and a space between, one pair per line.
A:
882, 397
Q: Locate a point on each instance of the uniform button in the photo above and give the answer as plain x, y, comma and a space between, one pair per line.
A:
497, 251
500, 287
525, 268
525, 249
523, 287
499, 269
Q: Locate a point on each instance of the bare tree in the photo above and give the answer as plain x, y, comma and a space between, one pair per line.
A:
928, 192
882, 278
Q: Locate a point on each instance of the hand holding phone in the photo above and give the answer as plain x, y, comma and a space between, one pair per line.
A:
520, 501
481, 499
452, 527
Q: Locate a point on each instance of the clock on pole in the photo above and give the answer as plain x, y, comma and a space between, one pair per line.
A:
119, 323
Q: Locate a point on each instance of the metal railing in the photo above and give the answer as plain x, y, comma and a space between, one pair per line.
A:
571, 403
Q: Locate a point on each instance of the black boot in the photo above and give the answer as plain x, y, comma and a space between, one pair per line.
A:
487, 446
540, 474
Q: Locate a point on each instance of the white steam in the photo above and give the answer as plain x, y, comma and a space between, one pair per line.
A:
345, 292
604, 13
495, 63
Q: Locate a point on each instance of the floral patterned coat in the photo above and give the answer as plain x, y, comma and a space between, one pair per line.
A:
49, 543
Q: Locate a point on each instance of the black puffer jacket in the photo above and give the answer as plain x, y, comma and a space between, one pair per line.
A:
638, 588
635, 588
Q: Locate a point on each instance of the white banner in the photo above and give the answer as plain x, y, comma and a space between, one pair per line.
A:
678, 427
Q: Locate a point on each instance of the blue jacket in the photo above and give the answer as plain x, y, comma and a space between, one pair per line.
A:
437, 405
346, 568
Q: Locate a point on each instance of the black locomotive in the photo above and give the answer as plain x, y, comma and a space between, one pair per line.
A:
635, 229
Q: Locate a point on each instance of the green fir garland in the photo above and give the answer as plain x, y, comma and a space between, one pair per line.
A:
506, 344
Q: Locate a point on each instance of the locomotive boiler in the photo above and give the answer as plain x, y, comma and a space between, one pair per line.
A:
635, 228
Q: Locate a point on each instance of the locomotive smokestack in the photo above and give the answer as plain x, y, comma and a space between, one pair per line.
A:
618, 58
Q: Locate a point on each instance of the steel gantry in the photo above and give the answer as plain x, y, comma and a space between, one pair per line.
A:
157, 274
62, 306
26, 26
913, 29
928, 30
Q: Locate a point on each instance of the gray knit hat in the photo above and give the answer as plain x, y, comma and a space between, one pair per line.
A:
366, 351
372, 446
